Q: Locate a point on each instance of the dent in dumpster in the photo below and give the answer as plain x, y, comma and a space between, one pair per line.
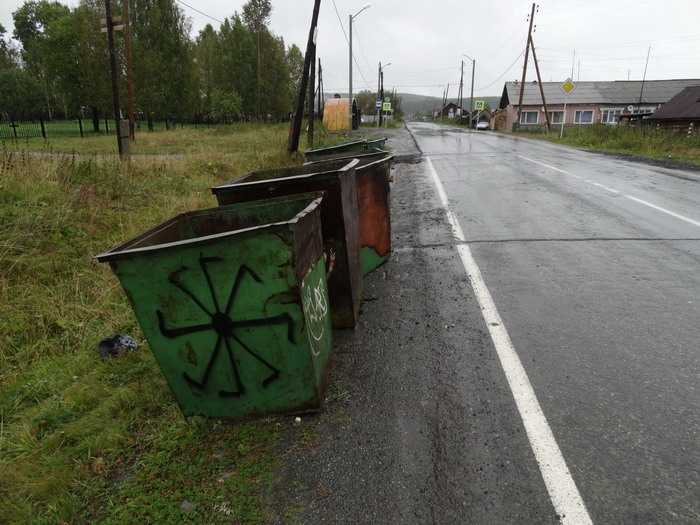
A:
225, 327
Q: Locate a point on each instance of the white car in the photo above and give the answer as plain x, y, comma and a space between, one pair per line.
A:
483, 125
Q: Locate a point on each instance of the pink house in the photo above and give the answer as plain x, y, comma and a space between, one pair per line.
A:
590, 103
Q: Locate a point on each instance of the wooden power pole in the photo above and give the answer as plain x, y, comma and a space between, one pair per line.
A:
113, 69
312, 90
319, 89
129, 72
295, 131
527, 57
461, 93
539, 81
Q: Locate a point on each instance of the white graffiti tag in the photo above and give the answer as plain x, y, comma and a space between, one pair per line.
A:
316, 310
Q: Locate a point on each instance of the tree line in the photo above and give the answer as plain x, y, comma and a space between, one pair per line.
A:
56, 62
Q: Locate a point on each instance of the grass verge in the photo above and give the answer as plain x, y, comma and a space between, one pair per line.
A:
89, 441
653, 144
202, 142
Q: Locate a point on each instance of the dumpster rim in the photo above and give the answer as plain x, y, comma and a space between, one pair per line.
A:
117, 253
343, 170
336, 146
388, 157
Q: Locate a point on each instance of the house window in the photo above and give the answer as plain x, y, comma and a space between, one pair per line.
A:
610, 116
584, 117
556, 117
529, 117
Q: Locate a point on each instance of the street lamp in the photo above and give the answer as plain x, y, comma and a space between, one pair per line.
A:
353, 17
471, 98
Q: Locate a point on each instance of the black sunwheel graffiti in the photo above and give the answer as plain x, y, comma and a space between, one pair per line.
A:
224, 326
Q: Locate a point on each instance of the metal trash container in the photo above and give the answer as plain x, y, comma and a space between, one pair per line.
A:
372, 173
234, 304
345, 148
339, 217
376, 144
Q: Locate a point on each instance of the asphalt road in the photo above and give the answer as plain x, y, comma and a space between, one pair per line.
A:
594, 267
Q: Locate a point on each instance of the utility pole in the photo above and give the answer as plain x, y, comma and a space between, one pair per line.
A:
129, 72
379, 90
461, 93
644, 79
113, 69
527, 57
539, 82
351, 18
319, 91
381, 96
471, 98
350, 75
312, 89
295, 130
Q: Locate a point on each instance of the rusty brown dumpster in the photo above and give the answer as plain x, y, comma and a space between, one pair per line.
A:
339, 216
372, 173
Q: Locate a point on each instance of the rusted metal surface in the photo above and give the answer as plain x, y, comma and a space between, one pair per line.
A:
373, 192
339, 216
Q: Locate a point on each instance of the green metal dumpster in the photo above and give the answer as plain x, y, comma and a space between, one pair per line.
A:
372, 172
234, 304
345, 148
339, 217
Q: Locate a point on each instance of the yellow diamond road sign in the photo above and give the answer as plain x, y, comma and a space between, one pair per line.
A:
568, 86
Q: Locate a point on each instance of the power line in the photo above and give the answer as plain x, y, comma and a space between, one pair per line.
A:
200, 12
504, 73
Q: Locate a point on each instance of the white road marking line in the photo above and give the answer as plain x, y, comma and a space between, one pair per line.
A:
606, 188
664, 210
617, 192
562, 489
550, 167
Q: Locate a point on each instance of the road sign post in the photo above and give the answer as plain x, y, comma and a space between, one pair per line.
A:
567, 87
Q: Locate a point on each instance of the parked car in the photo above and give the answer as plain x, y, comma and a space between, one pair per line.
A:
483, 125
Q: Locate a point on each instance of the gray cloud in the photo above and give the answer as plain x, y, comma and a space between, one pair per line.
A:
425, 39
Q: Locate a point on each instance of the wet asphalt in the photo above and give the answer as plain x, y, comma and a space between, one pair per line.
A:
601, 297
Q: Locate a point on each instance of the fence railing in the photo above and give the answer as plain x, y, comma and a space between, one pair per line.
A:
47, 129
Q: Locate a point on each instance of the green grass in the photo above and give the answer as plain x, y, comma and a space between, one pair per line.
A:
200, 142
650, 143
89, 441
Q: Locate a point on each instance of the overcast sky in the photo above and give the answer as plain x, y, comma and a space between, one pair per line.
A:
424, 40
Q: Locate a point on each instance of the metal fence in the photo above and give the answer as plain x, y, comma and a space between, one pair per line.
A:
11, 129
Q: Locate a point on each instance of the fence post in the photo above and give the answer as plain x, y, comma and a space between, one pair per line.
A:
107, 126
80, 125
43, 128
14, 127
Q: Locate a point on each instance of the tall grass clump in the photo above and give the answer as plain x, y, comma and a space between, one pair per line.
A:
646, 142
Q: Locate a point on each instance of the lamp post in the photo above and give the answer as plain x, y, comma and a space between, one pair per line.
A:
471, 98
380, 92
353, 17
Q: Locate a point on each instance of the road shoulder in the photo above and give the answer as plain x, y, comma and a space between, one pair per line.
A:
419, 425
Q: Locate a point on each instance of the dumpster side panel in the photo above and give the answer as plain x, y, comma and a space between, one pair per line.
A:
339, 227
375, 218
225, 323
318, 329
351, 221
